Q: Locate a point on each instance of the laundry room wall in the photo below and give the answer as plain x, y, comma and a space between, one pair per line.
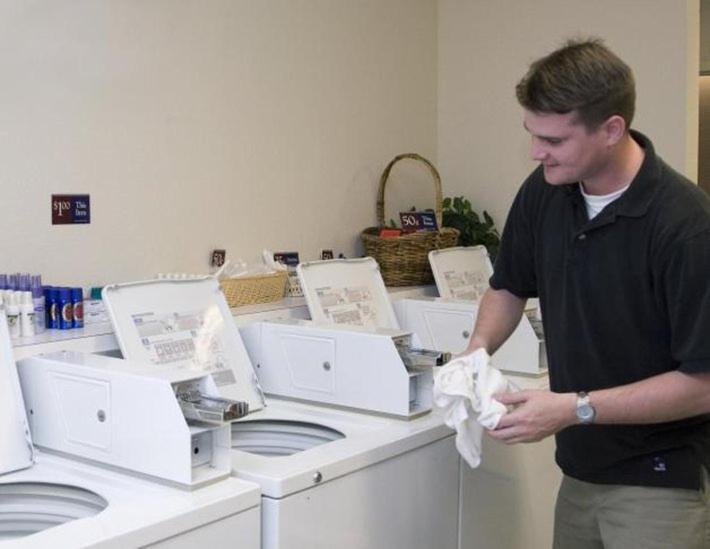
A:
485, 47
196, 124
241, 125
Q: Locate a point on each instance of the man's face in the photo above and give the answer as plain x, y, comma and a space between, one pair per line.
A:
567, 150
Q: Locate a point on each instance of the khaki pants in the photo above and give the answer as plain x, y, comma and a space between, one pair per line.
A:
598, 516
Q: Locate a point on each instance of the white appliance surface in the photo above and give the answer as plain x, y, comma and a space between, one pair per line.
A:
367, 485
367, 440
351, 367
126, 415
387, 483
182, 324
347, 291
461, 272
447, 323
57, 502
16, 447
137, 513
443, 324
509, 500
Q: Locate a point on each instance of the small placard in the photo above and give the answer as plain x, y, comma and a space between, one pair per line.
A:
70, 209
290, 259
418, 221
218, 257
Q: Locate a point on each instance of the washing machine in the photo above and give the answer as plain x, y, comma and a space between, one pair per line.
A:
508, 501
329, 477
63, 503
48, 500
446, 322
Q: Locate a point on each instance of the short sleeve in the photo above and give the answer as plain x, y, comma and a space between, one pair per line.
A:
514, 268
686, 289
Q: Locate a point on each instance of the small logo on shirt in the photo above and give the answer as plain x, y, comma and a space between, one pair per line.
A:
659, 466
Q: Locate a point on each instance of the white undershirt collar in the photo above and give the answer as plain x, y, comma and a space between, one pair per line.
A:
597, 202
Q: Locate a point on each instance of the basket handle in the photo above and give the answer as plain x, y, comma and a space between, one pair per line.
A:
383, 182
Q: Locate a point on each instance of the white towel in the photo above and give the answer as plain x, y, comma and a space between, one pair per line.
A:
464, 390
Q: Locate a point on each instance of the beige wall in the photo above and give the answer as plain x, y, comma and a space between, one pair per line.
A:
704, 135
206, 123
247, 124
705, 37
485, 47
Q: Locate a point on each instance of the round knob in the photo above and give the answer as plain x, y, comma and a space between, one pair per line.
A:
101, 415
318, 477
466, 334
326, 366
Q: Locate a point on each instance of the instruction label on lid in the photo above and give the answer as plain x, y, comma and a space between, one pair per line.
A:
187, 339
468, 285
352, 305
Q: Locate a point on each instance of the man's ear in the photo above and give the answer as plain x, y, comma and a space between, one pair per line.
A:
614, 129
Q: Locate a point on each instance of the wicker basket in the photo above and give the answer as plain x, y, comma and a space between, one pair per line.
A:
403, 260
249, 290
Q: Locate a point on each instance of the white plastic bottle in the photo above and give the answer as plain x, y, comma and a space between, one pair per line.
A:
12, 310
27, 315
38, 300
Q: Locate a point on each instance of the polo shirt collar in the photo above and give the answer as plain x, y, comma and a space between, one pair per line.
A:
637, 198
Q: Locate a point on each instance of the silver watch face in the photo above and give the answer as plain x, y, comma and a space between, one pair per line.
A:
585, 413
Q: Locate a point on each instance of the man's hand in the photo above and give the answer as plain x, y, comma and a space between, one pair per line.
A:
536, 415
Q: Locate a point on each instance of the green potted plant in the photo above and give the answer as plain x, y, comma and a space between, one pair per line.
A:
459, 215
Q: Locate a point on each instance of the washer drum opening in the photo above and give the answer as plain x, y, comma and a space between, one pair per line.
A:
275, 438
30, 507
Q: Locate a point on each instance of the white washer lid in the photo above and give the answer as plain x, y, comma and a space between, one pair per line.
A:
461, 272
183, 324
347, 291
16, 451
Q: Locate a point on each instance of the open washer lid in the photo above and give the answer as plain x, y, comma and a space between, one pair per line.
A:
461, 272
183, 324
16, 450
347, 291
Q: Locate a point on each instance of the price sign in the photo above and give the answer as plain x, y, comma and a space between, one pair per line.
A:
69, 209
418, 221
290, 259
410, 221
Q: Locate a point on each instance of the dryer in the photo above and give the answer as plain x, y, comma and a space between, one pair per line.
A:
328, 477
52, 501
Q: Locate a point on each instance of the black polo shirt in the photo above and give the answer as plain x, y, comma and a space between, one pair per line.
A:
624, 297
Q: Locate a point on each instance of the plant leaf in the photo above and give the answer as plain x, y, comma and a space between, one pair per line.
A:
474, 229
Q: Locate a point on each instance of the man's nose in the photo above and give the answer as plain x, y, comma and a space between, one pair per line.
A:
538, 152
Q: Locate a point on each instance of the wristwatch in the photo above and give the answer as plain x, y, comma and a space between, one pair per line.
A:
585, 411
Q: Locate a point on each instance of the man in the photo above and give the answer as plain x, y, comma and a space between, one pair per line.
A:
616, 245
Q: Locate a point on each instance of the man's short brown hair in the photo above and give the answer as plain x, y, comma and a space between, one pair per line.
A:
582, 76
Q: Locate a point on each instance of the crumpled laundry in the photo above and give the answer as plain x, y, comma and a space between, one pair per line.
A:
464, 389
